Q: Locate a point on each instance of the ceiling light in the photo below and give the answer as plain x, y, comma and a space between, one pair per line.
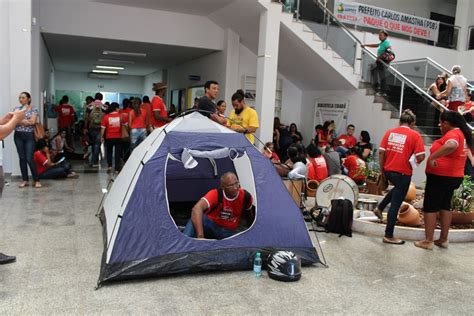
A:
110, 67
115, 53
116, 61
105, 71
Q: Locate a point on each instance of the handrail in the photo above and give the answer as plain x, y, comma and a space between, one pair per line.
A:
392, 69
431, 61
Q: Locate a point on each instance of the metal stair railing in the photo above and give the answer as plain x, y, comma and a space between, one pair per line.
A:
427, 112
423, 70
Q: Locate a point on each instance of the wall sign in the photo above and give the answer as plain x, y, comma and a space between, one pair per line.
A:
392, 21
332, 109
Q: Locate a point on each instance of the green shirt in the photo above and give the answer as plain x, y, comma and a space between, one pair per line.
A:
383, 46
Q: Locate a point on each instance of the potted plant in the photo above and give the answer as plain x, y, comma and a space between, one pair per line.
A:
461, 203
372, 177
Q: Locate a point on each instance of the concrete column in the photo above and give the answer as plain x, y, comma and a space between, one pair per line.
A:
15, 66
464, 18
267, 68
232, 80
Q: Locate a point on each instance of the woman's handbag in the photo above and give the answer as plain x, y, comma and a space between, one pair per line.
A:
39, 131
125, 134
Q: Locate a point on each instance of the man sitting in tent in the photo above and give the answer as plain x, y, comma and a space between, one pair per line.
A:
218, 214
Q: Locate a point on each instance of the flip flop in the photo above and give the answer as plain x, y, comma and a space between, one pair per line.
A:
23, 185
393, 242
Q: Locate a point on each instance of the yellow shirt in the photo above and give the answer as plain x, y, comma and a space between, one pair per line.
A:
247, 118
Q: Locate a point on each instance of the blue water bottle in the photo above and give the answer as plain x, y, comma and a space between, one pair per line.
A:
257, 265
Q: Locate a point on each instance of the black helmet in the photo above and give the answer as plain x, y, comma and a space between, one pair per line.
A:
284, 266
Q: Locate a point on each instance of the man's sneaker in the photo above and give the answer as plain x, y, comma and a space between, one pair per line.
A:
4, 259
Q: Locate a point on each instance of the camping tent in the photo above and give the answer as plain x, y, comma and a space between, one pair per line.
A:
175, 166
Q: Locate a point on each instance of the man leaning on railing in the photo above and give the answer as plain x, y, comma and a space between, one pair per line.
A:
378, 69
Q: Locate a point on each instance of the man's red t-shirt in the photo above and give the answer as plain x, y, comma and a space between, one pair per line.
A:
65, 115
317, 169
40, 160
400, 144
347, 141
138, 121
157, 104
451, 165
355, 167
228, 216
112, 125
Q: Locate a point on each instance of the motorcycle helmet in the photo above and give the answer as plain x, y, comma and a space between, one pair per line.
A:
284, 266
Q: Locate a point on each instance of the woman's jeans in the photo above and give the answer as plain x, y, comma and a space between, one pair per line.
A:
57, 172
25, 145
113, 147
137, 135
378, 75
395, 197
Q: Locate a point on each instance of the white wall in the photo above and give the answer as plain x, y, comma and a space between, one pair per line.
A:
80, 81
15, 65
292, 94
209, 67
93, 19
149, 80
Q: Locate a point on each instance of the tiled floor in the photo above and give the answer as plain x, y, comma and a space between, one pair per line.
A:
58, 244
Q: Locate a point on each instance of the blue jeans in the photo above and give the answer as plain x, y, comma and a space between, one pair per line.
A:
395, 197
137, 135
57, 172
25, 145
211, 229
94, 139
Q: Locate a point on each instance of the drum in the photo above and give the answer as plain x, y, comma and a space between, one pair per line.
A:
335, 187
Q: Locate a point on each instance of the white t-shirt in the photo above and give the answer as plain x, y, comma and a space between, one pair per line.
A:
458, 84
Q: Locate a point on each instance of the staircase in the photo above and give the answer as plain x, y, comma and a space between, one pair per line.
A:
405, 90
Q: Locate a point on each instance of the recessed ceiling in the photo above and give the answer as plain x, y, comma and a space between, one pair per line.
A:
81, 54
195, 7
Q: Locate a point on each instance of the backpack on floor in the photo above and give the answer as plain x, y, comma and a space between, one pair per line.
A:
340, 218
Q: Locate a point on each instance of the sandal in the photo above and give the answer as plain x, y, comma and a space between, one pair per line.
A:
38, 185
24, 184
393, 241
441, 244
425, 244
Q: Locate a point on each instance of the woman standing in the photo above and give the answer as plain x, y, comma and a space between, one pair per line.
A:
444, 174
297, 138
139, 120
24, 138
111, 134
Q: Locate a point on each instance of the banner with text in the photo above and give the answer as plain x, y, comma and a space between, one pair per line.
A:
332, 109
392, 21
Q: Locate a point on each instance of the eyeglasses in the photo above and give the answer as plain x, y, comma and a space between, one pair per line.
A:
233, 185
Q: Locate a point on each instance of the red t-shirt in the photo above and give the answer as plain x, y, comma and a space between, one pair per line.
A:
41, 161
228, 216
140, 121
65, 115
451, 165
355, 167
124, 115
317, 169
157, 104
112, 125
399, 145
347, 141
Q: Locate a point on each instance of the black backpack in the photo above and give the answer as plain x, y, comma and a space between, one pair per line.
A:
340, 218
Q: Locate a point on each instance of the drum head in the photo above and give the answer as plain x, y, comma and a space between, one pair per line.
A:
335, 187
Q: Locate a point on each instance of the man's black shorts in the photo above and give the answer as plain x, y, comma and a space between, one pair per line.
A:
438, 192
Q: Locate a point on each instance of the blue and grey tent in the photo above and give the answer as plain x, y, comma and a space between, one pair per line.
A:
171, 170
